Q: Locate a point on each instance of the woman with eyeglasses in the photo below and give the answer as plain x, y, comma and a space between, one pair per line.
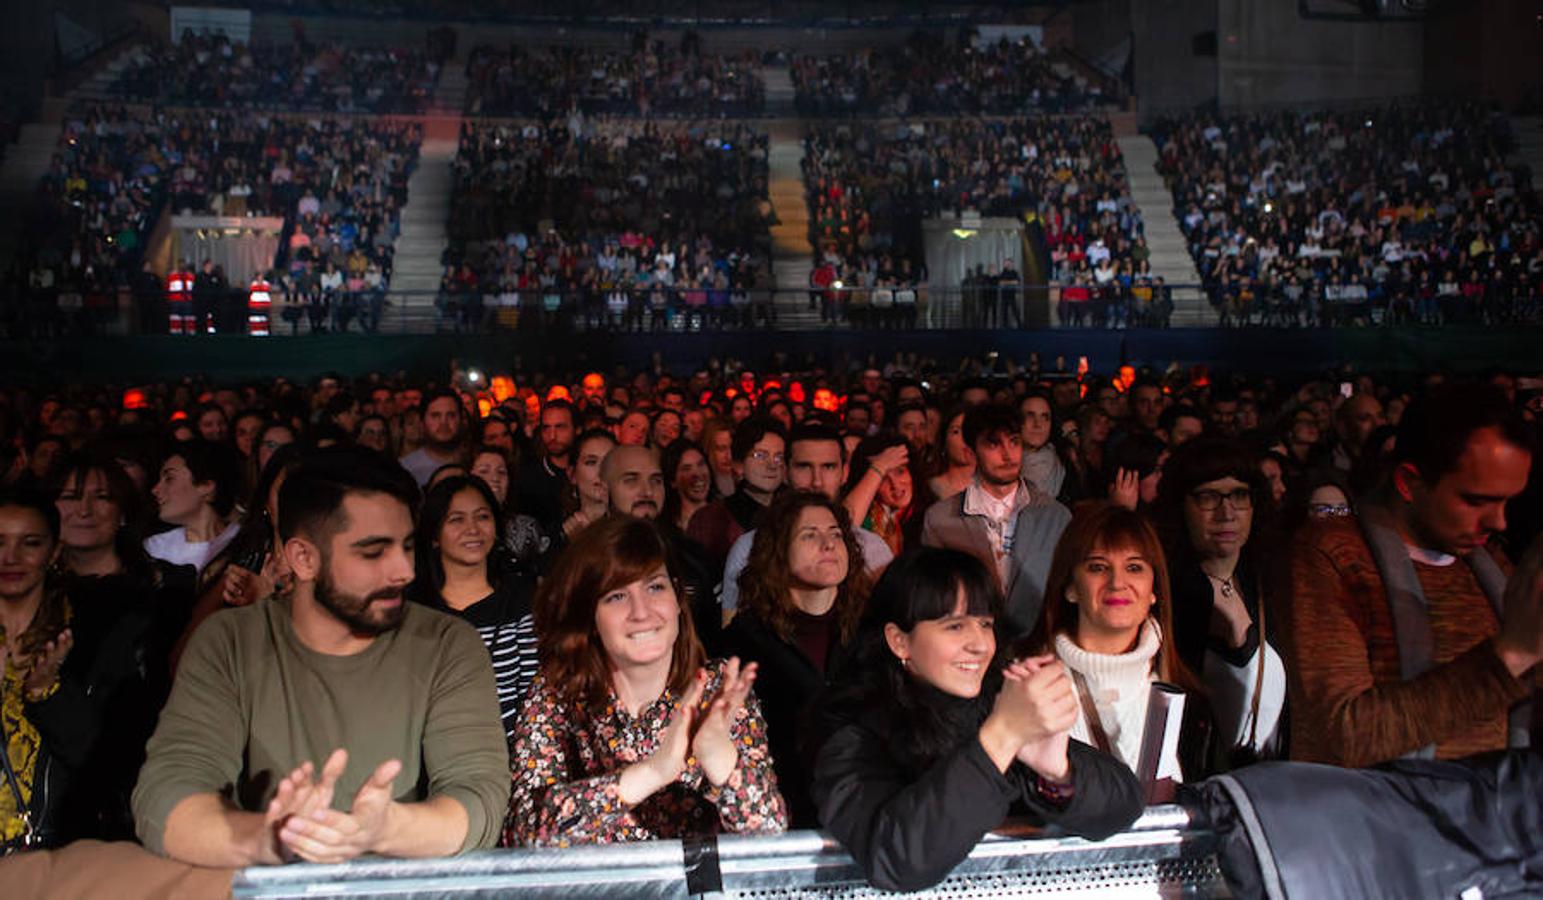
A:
1214, 512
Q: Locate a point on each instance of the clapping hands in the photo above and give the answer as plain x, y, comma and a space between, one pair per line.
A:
305, 825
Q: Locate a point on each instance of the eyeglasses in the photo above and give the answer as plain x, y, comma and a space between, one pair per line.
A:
1328, 510
1238, 498
767, 456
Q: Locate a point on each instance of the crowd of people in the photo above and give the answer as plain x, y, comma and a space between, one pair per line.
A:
604, 223
339, 186
930, 75
210, 70
898, 605
1397, 215
870, 188
650, 78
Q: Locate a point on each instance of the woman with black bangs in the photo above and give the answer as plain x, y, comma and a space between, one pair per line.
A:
934, 737
463, 568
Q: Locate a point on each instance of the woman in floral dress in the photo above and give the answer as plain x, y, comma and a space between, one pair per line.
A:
629, 733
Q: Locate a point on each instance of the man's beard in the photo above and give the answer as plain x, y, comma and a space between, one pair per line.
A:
355, 612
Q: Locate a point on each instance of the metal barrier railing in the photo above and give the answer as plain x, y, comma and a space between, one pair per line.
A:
1162, 854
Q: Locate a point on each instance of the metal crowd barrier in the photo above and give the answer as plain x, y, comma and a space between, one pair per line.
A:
1161, 855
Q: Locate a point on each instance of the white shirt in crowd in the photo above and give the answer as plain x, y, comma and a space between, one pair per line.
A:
174, 547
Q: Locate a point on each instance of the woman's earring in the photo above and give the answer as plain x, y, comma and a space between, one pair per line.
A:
905, 662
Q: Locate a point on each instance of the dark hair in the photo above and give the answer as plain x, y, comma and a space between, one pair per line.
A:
311, 500
430, 577
750, 432
609, 554
53, 615
812, 432
990, 419
255, 539
1174, 413
1137, 452
1202, 460
669, 462
439, 394
559, 404
209, 462
1436, 428
766, 583
917, 587
128, 542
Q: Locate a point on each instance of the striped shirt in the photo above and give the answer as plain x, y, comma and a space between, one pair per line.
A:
504, 623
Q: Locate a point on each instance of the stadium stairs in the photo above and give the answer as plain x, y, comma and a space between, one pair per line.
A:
1170, 253
792, 254
420, 247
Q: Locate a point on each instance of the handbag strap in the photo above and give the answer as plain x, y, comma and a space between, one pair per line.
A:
1253, 711
1090, 713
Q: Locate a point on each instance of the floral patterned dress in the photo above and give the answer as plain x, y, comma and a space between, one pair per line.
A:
567, 764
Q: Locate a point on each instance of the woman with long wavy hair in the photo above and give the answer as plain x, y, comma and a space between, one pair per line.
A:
801, 595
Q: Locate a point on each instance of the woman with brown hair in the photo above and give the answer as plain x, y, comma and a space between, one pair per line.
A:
629, 732
1108, 617
801, 595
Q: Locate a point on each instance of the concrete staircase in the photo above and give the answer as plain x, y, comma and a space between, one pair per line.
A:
416, 267
1170, 254
779, 91
99, 85
792, 254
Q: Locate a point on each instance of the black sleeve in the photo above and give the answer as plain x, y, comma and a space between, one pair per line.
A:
907, 834
1106, 797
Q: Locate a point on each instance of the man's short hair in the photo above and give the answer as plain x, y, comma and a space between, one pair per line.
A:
1436, 427
311, 500
559, 404
1173, 414
438, 394
750, 432
990, 419
211, 462
815, 431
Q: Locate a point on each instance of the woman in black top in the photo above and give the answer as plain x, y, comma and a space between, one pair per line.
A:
143, 605
801, 595
463, 570
934, 738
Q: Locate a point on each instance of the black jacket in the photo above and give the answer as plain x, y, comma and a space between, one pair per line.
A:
1413, 828
93, 731
907, 830
786, 684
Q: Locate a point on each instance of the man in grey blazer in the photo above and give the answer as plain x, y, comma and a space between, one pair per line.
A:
1001, 517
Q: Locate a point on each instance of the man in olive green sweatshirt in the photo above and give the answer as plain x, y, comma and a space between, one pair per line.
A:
393, 701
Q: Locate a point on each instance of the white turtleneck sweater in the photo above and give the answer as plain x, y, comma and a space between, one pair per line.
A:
1121, 685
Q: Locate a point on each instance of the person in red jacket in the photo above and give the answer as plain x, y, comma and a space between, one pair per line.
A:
179, 299
259, 300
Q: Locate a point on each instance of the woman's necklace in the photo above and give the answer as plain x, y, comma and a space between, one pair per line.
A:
1223, 584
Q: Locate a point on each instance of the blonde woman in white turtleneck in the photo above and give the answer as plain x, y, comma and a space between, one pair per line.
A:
1106, 615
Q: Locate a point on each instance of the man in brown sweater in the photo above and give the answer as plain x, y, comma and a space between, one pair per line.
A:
340, 720
1406, 635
